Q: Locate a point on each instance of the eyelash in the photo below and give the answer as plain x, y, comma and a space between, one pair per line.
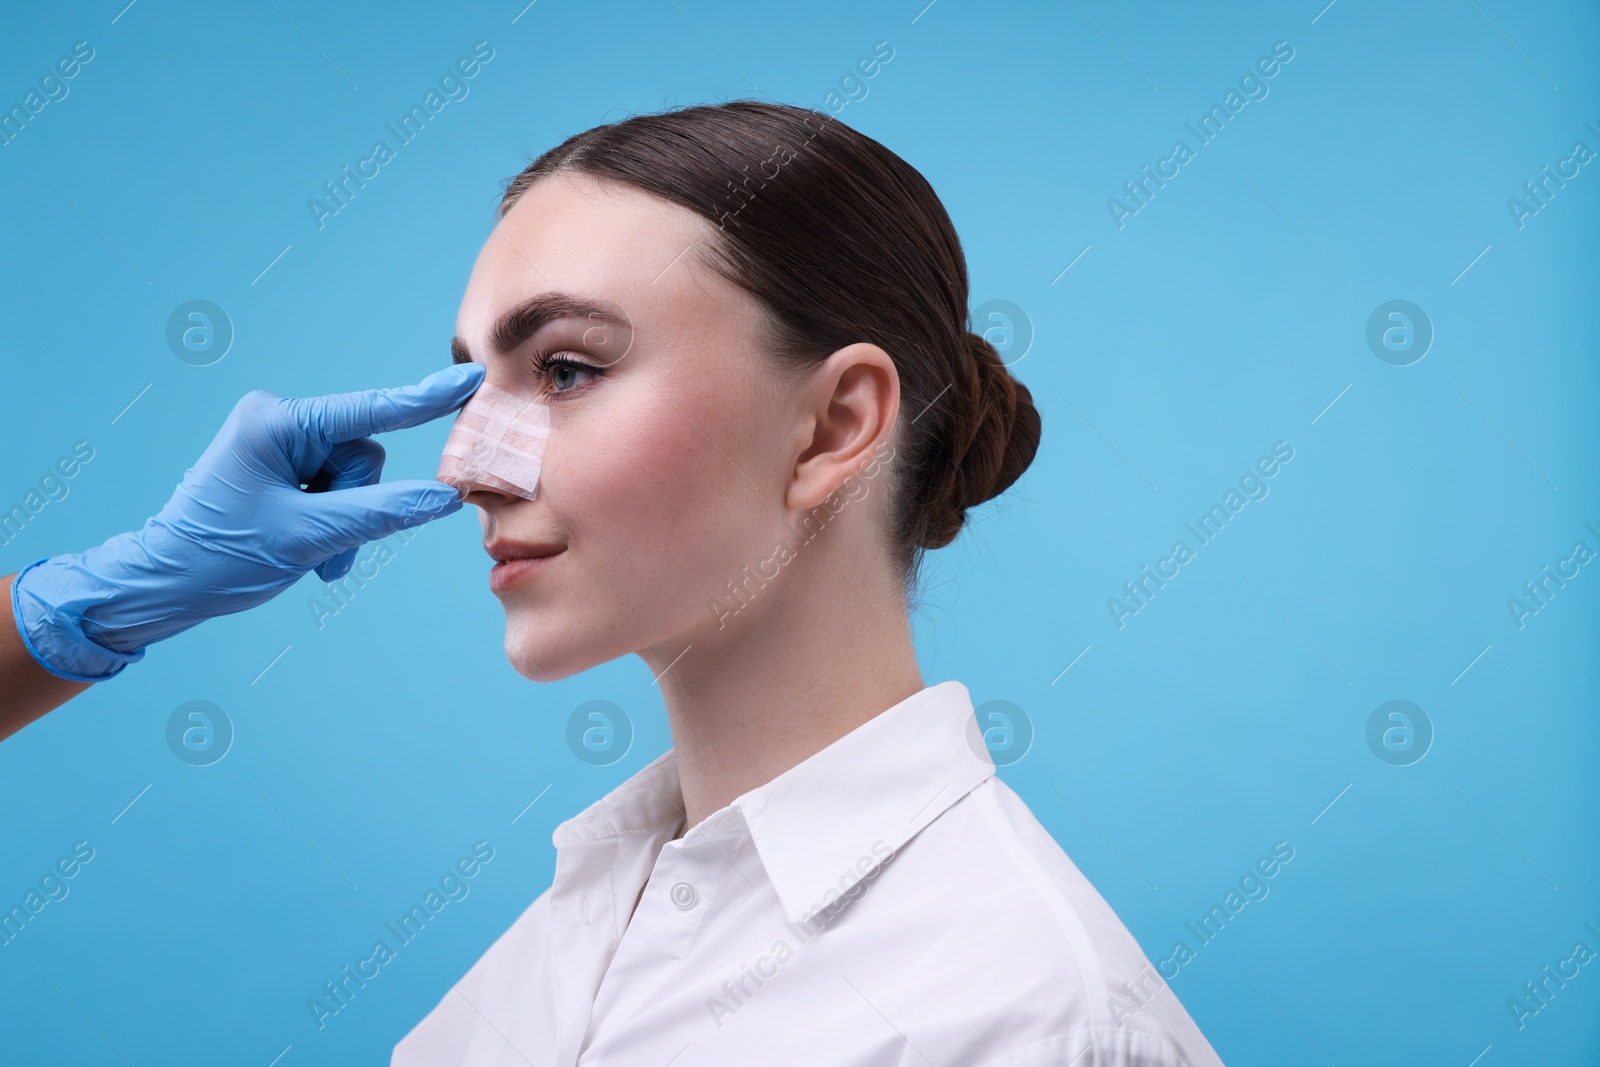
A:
544, 361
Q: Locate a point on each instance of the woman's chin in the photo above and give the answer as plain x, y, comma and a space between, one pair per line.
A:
545, 657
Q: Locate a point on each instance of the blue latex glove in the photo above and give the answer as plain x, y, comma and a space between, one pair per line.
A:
240, 528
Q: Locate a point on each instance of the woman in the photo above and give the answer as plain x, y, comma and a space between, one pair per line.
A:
749, 324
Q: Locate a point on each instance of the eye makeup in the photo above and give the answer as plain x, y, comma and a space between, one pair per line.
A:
548, 361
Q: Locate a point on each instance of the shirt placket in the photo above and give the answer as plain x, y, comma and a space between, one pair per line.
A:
594, 887
583, 935
681, 895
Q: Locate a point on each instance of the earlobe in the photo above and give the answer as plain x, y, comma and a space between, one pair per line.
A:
852, 401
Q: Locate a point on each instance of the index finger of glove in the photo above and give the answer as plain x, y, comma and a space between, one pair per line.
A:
338, 417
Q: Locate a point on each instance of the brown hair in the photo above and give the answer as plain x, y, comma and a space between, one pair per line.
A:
841, 241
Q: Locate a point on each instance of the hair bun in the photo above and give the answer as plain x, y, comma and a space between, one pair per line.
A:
994, 434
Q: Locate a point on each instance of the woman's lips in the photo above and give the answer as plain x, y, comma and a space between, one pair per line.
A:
507, 573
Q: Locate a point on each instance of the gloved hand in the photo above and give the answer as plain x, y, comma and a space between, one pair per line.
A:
288, 484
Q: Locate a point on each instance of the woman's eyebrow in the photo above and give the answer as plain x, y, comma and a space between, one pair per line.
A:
522, 321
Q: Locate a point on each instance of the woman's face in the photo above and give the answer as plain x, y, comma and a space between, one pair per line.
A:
670, 441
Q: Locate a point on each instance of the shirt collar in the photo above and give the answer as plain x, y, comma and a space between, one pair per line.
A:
648, 801
829, 821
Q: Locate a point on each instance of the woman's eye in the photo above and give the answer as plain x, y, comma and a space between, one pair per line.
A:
563, 374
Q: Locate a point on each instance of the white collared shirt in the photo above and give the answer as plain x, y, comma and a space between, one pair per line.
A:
888, 901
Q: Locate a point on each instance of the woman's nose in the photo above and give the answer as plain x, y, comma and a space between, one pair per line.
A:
496, 445
489, 498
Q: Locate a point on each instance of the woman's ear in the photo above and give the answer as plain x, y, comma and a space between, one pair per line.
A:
851, 402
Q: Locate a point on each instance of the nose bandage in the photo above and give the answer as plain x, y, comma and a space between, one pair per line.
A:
497, 443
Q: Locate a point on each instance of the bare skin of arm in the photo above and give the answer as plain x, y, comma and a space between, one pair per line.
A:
27, 690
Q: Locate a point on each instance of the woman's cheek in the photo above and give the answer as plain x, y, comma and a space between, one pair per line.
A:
639, 473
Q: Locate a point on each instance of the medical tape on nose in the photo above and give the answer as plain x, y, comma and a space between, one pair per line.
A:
497, 443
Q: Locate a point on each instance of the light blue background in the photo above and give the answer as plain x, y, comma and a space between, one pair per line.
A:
1222, 318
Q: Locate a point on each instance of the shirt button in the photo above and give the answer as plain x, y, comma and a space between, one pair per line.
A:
683, 895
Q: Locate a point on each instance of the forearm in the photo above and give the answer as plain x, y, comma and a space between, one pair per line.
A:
27, 690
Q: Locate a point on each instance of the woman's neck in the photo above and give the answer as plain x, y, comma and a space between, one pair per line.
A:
816, 652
